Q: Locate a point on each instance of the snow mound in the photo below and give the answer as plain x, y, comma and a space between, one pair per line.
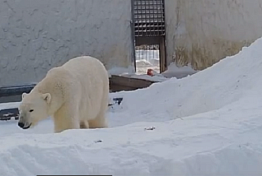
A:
226, 82
179, 72
205, 124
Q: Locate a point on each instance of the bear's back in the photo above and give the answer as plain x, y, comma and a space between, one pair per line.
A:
84, 64
91, 79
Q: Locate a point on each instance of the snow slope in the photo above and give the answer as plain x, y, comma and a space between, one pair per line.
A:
206, 124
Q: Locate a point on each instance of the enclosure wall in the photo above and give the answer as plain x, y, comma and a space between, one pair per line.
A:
36, 35
201, 32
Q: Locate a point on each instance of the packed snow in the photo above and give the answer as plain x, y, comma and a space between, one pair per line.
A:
209, 123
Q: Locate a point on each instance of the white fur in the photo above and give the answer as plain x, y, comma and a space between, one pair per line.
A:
74, 94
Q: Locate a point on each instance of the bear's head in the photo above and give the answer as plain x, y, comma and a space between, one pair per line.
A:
33, 108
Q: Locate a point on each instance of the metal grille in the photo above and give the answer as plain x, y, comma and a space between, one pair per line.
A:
149, 18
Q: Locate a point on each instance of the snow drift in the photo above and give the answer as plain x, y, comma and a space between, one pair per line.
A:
205, 124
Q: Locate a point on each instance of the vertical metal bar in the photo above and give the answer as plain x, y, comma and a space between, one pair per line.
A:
132, 24
164, 17
162, 57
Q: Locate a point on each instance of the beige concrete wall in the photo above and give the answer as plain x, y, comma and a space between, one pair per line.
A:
36, 35
202, 32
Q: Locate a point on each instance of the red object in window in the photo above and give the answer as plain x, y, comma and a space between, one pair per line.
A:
150, 72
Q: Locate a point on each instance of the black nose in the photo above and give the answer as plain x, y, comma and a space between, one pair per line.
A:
21, 124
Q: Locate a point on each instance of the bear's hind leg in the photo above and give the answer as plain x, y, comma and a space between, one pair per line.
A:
84, 124
99, 122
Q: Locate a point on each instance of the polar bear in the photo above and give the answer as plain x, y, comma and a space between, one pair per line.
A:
75, 95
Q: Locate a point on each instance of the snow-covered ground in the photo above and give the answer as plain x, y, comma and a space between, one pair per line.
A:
206, 124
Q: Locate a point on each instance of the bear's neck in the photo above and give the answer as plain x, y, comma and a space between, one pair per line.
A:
57, 97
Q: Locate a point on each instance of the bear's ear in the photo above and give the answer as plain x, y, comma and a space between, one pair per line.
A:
23, 95
47, 97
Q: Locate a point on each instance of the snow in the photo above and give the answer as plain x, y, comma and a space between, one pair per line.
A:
148, 77
205, 124
120, 70
9, 105
179, 72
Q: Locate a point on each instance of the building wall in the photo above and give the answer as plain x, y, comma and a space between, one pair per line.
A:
36, 35
201, 32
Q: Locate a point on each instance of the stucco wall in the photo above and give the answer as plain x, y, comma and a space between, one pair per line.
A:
201, 32
36, 35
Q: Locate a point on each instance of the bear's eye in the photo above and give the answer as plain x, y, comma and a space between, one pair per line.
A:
31, 110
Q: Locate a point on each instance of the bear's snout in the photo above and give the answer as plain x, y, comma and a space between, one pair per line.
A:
21, 124
24, 125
